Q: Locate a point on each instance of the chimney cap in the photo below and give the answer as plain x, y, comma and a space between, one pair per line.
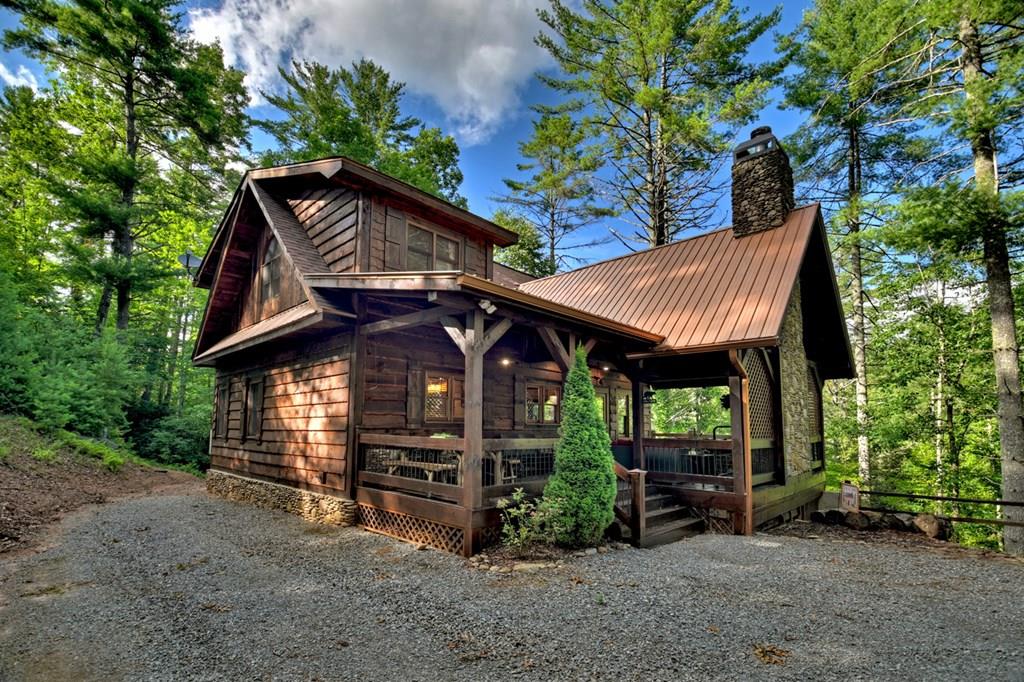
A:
759, 131
761, 140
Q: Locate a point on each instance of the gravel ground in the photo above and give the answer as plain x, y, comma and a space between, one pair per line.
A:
186, 586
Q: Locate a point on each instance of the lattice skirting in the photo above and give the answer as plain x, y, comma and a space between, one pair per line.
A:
714, 522
411, 528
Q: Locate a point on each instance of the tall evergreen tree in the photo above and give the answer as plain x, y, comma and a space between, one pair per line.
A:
963, 66
558, 198
357, 113
850, 162
136, 56
665, 82
527, 254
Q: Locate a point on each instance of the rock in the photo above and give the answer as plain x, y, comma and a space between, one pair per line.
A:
907, 520
835, 517
818, 516
857, 520
420, 547
874, 517
928, 524
494, 569
529, 566
892, 522
603, 549
590, 551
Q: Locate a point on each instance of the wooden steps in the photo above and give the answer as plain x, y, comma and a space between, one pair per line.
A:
667, 520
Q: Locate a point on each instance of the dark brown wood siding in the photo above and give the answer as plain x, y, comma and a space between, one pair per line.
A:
304, 427
331, 219
251, 309
388, 225
396, 363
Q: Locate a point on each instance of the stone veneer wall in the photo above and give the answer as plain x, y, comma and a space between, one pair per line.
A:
797, 400
762, 191
315, 507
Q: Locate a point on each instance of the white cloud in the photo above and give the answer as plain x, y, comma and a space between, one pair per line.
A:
21, 76
471, 57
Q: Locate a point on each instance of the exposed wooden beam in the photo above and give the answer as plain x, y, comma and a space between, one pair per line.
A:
589, 345
494, 334
554, 345
456, 332
420, 317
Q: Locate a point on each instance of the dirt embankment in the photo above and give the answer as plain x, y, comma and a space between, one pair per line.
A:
40, 481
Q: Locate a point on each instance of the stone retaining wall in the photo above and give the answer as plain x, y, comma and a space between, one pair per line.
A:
315, 507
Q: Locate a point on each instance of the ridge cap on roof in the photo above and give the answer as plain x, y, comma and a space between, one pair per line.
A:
656, 248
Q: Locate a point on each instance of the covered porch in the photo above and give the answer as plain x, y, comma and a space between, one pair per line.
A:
456, 399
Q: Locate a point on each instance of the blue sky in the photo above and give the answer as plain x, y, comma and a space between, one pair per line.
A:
469, 67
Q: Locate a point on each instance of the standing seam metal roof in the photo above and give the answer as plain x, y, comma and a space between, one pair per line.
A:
713, 290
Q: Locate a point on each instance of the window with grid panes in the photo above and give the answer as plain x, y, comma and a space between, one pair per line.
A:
444, 400
426, 250
543, 404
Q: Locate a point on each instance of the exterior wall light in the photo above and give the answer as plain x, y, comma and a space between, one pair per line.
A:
648, 398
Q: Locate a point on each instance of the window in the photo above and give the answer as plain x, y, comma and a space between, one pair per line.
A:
270, 274
220, 411
622, 401
444, 400
601, 399
543, 404
429, 251
252, 422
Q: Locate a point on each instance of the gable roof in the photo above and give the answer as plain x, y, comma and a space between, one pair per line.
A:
710, 292
345, 171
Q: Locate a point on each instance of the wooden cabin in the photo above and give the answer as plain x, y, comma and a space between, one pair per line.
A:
374, 365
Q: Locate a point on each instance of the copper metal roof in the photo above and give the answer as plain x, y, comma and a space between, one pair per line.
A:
707, 292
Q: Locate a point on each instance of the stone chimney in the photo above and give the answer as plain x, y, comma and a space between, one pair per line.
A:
762, 184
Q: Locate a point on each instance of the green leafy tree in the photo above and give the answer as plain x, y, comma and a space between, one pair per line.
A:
132, 57
357, 113
558, 197
960, 67
844, 151
683, 410
580, 495
527, 254
665, 83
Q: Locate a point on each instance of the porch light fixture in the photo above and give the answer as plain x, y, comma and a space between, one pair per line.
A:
648, 398
487, 306
505, 362
605, 368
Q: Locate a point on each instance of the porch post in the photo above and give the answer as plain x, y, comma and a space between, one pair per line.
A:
739, 407
637, 416
472, 480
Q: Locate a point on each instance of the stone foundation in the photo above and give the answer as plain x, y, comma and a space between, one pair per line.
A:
315, 507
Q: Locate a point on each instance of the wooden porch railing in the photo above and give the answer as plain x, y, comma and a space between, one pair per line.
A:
631, 500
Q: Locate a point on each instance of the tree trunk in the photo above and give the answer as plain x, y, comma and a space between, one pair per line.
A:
103, 310
857, 285
124, 240
1000, 294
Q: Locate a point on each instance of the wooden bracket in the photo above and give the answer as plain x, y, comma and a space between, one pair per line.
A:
420, 317
554, 345
456, 331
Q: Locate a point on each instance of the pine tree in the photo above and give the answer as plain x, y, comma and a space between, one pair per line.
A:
558, 198
580, 495
134, 58
848, 160
665, 82
960, 68
527, 254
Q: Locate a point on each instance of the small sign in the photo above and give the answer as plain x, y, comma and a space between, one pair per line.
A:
849, 498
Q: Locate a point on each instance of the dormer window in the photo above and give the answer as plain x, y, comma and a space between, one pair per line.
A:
428, 250
270, 273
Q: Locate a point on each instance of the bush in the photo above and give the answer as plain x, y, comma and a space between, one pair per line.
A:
177, 440
522, 522
580, 496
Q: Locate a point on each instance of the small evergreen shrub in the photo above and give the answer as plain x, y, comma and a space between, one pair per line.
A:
44, 454
580, 496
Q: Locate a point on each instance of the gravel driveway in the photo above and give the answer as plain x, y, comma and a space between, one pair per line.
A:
186, 586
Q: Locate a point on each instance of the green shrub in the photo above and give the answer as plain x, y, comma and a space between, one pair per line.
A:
579, 498
5, 452
113, 461
45, 453
522, 521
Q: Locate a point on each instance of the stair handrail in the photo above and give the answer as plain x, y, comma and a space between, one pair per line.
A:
636, 518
